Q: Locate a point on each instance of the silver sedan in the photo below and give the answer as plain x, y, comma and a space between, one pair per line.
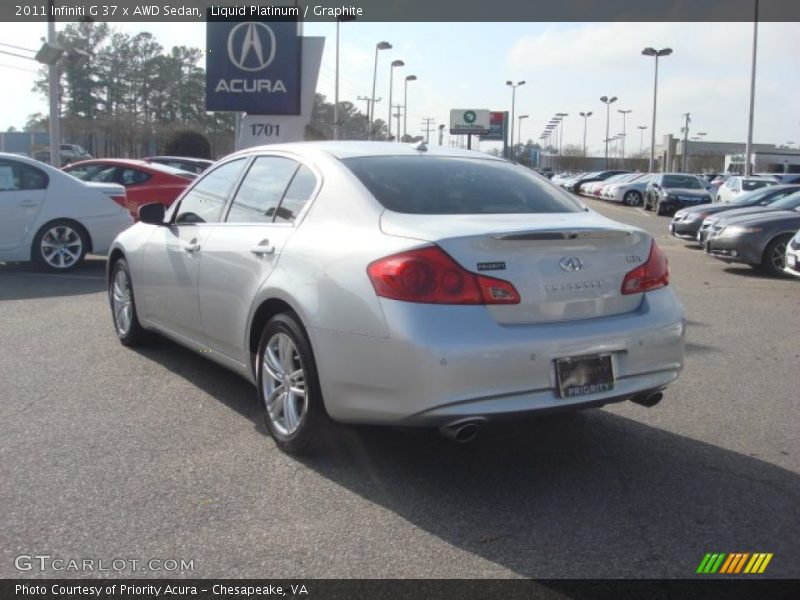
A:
402, 285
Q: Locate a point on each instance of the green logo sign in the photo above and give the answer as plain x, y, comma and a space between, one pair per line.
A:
470, 116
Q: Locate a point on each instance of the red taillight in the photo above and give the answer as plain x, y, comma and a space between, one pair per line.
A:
121, 200
651, 275
430, 276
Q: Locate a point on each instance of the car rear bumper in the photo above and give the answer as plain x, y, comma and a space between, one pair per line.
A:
442, 363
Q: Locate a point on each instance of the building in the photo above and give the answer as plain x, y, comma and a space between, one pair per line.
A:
708, 156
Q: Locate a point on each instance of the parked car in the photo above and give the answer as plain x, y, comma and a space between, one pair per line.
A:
566, 179
784, 177
630, 192
594, 188
793, 256
144, 182
574, 185
667, 192
737, 185
688, 223
327, 273
53, 219
68, 153
759, 240
715, 223
184, 163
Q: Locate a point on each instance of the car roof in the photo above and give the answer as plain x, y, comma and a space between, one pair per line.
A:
354, 149
180, 158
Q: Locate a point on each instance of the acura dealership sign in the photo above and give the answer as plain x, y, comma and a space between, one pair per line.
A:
254, 67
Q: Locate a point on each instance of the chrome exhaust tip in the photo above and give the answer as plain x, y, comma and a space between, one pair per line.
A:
462, 431
649, 400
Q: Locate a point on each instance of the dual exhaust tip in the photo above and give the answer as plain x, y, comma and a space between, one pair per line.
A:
465, 430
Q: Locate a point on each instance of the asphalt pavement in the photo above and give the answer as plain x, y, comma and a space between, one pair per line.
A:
111, 453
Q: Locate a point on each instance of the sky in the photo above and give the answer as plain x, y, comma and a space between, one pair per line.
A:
567, 68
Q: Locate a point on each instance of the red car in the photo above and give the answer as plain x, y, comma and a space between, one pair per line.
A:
144, 182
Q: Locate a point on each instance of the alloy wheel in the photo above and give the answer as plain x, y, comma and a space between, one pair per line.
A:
61, 247
778, 257
122, 302
284, 384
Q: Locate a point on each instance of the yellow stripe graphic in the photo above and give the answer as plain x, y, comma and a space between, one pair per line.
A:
749, 567
758, 562
765, 563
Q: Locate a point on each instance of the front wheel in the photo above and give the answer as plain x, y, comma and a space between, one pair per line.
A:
774, 258
59, 246
123, 306
288, 386
632, 198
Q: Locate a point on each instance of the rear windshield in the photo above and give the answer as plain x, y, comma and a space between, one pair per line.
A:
437, 185
682, 181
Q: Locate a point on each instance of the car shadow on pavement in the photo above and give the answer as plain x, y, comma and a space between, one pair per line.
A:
22, 281
585, 494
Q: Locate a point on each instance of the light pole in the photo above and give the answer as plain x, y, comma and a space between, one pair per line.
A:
395, 63
641, 129
336, 93
514, 87
371, 115
608, 102
748, 151
585, 116
655, 53
519, 125
561, 130
624, 113
405, 103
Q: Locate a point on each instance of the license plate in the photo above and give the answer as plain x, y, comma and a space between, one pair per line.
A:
584, 375
791, 260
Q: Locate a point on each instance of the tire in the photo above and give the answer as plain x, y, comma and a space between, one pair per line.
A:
123, 306
632, 198
296, 421
59, 246
774, 258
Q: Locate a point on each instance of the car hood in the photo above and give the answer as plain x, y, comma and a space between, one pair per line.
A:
704, 208
744, 213
764, 218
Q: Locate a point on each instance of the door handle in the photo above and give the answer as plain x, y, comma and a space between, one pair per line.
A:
263, 248
192, 247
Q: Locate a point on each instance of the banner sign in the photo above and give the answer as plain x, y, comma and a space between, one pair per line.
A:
253, 67
469, 121
497, 127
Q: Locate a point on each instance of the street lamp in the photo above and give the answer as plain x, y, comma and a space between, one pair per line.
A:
371, 116
561, 130
655, 53
608, 102
641, 138
514, 87
336, 93
585, 116
395, 63
624, 113
519, 124
405, 103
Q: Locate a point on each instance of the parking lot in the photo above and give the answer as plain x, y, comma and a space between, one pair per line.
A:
112, 453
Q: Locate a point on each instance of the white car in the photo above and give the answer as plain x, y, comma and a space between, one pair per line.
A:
793, 256
54, 219
736, 186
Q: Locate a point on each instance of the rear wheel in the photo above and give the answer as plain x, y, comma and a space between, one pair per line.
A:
774, 258
632, 198
59, 246
288, 386
123, 306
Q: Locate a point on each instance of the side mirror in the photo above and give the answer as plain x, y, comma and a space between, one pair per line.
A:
152, 213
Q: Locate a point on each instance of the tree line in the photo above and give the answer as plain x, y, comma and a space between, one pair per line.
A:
134, 93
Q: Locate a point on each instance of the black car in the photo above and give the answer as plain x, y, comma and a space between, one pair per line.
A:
667, 192
575, 185
687, 222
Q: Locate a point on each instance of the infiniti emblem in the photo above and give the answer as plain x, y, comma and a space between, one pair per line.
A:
247, 43
570, 263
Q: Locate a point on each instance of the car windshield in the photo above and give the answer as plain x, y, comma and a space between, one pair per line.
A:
438, 185
787, 203
682, 181
749, 185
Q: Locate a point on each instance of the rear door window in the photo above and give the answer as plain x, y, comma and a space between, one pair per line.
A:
206, 200
453, 185
260, 193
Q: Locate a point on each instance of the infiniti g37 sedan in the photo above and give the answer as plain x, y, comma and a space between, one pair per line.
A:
390, 284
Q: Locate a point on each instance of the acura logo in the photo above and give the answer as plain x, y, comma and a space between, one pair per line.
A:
570, 263
251, 46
